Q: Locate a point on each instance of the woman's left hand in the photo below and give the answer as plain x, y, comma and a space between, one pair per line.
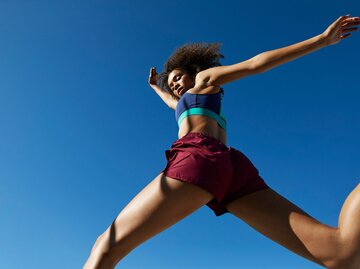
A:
340, 29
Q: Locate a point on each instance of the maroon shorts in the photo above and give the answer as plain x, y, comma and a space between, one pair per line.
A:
223, 171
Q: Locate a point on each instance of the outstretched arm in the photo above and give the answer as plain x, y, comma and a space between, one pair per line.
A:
338, 30
166, 97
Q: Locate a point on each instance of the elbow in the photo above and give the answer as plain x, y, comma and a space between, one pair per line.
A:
259, 64
266, 61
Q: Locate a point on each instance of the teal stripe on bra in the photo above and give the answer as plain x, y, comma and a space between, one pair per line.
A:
205, 112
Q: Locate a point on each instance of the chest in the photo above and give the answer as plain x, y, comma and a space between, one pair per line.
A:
189, 101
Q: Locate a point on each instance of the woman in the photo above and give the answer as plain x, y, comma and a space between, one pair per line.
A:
203, 170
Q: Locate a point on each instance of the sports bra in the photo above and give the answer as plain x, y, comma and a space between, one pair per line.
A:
200, 104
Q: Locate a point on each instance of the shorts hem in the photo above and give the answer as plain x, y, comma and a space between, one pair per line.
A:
243, 194
192, 181
219, 208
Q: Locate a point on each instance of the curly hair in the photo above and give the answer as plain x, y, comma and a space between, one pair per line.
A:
191, 58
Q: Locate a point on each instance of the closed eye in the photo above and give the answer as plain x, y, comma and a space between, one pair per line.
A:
176, 78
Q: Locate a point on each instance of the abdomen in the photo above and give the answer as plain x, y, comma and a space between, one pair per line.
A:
198, 123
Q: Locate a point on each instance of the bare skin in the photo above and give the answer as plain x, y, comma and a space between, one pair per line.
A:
180, 83
162, 203
165, 201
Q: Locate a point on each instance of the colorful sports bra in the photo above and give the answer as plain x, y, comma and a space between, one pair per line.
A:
200, 104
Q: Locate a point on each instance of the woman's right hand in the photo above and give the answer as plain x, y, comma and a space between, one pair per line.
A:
153, 77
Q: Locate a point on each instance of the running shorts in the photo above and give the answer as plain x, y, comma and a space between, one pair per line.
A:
225, 172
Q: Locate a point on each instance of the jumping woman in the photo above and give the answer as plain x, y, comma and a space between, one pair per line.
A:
202, 170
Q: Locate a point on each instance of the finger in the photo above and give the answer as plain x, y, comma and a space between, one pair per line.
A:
345, 36
351, 21
351, 18
346, 25
350, 29
341, 19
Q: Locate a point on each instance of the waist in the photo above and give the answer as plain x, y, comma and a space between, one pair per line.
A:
201, 124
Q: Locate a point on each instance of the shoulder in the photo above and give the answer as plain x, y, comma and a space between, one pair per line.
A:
203, 85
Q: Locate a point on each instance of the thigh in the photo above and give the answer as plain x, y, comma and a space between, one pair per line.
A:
285, 223
162, 203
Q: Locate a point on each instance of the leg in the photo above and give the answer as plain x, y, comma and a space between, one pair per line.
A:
162, 203
285, 223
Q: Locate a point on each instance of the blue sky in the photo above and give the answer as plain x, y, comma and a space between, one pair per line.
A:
81, 132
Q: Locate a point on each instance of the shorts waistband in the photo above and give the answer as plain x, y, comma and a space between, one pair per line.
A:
202, 135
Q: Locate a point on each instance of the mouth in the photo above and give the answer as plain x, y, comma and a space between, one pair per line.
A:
180, 90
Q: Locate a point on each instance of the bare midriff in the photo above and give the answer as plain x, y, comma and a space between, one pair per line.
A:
202, 124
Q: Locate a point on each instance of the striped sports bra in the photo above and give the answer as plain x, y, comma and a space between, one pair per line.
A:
200, 104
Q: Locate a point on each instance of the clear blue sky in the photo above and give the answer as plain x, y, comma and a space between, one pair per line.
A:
81, 132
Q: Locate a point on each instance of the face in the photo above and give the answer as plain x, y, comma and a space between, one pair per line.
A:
179, 82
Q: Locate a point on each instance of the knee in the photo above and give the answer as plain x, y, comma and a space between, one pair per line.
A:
106, 248
100, 254
97, 243
101, 245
